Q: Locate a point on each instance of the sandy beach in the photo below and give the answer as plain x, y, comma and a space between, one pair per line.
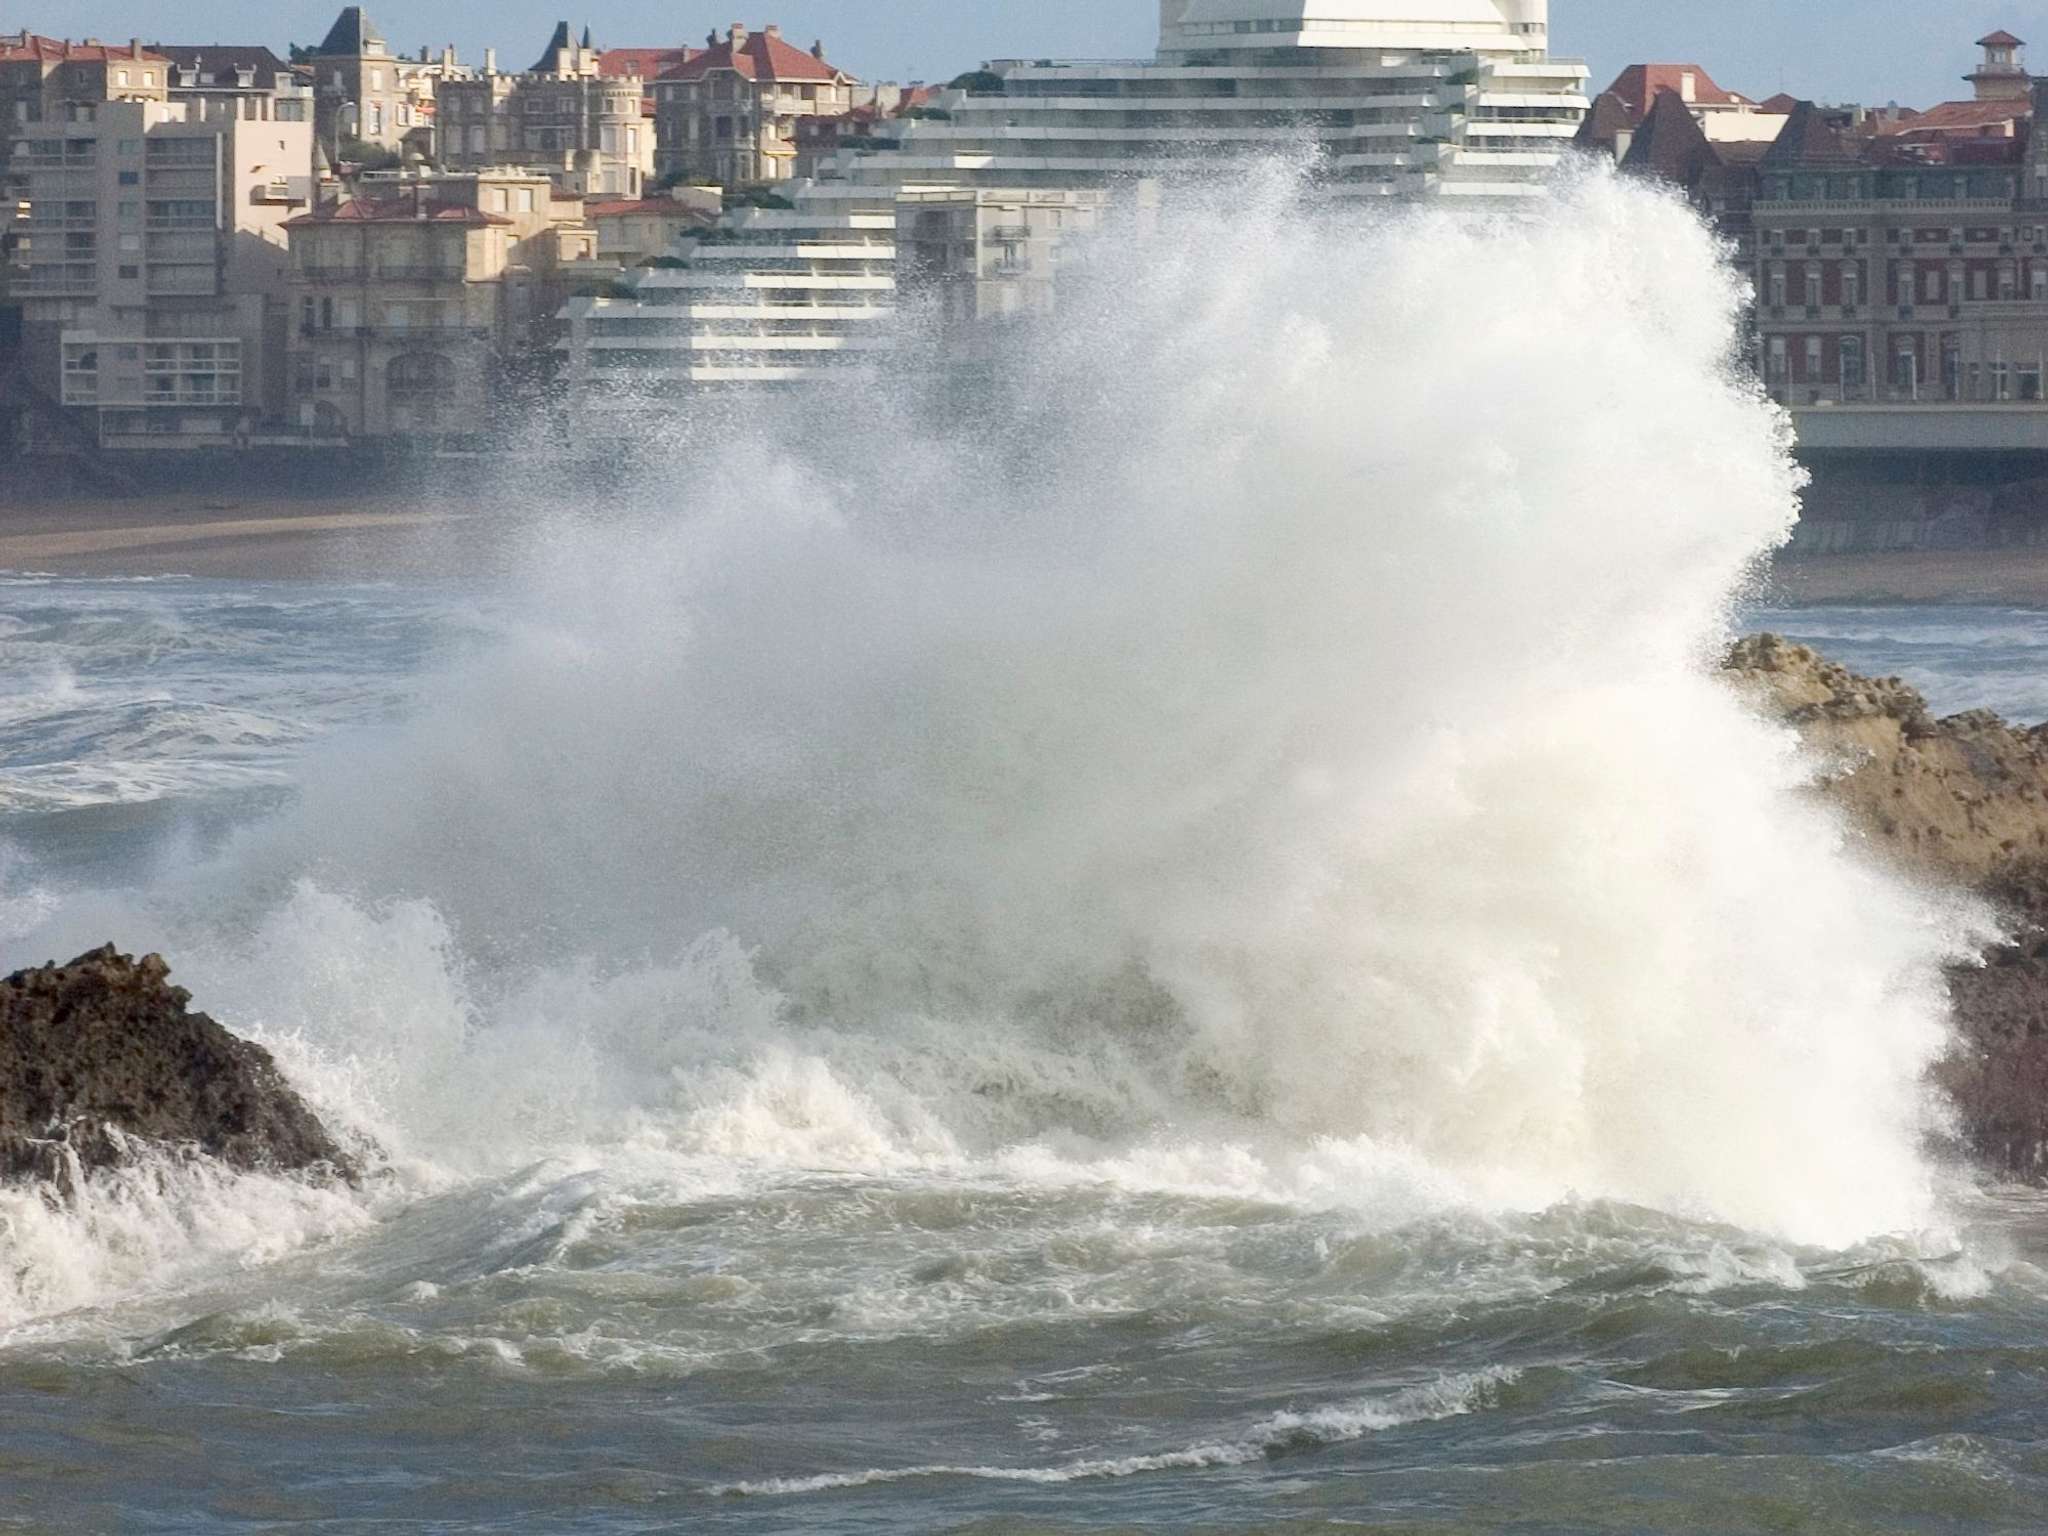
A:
255, 538
427, 535
2015, 576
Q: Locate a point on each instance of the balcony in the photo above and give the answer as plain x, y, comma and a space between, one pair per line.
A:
325, 274
427, 274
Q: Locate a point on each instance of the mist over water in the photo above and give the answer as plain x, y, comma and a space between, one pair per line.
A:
1251, 748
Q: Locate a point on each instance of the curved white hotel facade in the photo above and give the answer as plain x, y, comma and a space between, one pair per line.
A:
1404, 99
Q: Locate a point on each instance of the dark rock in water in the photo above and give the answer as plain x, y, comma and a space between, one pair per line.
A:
1965, 801
1998, 1074
102, 1053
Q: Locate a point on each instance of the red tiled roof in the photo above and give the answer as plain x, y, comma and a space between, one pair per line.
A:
760, 56
1639, 85
395, 210
646, 63
51, 50
2000, 39
1966, 118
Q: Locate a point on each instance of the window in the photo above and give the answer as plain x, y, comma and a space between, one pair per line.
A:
120, 77
130, 178
1813, 287
130, 273
1850, 349
1776, 364
1930, 285
1777, 288
128, 147
2001, 382
1980, 284
1905, 365
526, 199
1852, 286
1814, 355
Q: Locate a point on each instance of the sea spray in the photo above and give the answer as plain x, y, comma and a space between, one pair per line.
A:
1251, 734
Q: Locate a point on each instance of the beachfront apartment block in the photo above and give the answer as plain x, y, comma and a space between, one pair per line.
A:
585, 123
413, 300
1384, 99
154, 269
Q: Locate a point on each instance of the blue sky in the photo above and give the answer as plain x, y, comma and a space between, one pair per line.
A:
1869, 50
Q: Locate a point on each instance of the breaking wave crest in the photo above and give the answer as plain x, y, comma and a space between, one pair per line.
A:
1258, 738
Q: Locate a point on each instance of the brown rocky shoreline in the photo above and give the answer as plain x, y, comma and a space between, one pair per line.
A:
1963, 800
102, 1058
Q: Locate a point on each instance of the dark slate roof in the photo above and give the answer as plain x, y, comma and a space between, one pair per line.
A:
1670, 144
557, 46
1808, 140
351, 30
1607, 122
225, 59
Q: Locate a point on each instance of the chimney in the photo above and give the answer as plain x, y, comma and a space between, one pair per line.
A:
490, 61
135, 47
818, 50
738, 35
773, 30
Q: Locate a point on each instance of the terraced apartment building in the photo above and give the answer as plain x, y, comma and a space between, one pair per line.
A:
1390, 99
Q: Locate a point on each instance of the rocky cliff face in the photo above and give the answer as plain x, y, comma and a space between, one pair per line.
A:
102, 1053
1963, 799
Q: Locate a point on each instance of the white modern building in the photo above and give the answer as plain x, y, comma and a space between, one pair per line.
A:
1397, 99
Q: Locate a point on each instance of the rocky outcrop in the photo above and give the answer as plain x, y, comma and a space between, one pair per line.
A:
102, 1055
1962, 799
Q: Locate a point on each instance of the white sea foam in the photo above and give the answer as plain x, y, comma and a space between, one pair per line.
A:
1286, 1431
1263, 745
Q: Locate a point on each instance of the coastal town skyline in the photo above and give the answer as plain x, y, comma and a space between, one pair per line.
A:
1825, 50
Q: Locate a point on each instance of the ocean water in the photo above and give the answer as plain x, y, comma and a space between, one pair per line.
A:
1185, 942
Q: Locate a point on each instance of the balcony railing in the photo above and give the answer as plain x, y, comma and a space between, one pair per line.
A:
330, 274
421, 274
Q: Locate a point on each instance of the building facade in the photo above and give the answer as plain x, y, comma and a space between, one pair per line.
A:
251, 83
365, 94
156, 267
588, 129
730, 114
410, 301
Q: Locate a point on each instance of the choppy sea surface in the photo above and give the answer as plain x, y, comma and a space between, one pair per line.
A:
653, 1342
